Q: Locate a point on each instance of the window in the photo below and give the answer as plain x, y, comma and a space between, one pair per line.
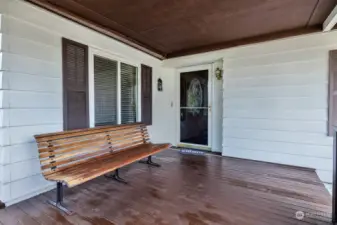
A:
105, 91
115, 92
128, 93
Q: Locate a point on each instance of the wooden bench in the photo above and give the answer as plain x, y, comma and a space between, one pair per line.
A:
74, 157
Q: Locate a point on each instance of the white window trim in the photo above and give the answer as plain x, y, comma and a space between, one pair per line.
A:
91, 83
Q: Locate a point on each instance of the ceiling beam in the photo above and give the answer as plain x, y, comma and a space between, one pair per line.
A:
331, 21
110, 33
246, 41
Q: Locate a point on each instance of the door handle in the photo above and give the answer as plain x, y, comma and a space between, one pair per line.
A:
210, 108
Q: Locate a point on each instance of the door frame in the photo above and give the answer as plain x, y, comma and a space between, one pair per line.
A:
209, 68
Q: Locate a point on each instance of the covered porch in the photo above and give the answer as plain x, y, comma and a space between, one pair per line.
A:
250, 84
188, 189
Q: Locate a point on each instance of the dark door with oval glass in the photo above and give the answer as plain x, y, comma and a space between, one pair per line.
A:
194, 107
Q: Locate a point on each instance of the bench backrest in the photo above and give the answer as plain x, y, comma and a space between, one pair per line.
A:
61, 150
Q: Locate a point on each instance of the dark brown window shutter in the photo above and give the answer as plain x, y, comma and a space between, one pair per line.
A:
75, 85
332, 91
146, 95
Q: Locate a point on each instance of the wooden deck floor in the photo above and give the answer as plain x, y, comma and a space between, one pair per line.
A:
188, 189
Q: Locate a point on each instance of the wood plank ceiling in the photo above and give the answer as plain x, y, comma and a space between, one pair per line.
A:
171, 28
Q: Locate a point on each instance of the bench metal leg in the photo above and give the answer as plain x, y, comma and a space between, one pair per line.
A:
150, 162
116, 177
59, 200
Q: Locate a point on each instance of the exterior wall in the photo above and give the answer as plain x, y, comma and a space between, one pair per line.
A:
276, 108
31, 95
276, 100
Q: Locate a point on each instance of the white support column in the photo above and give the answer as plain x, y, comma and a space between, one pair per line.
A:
331, 21
119, 94
4, 156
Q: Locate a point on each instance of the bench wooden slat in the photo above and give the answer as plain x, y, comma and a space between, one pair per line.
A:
64, 149
55, 146
60, 142
73, 157
80, 154
82, 132
60, 149
83, 151
114, 164
49, 168
74, 171
73, 177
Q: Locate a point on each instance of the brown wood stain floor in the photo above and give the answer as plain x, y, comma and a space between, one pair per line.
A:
188, 190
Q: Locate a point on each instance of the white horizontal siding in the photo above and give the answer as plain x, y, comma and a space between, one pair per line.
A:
22, 189
19, 153
279, 136
297, 149
292, 114
309, 126
33, 99
31, 117
310, 90
286, 57
301, 67
30, 48
322, 165
28, 82
25, 134
318, 163
275, 105
281, 103
20, 170
279, 80
22, 64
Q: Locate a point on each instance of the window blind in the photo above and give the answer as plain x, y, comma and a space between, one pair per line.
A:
128, 93
105, 76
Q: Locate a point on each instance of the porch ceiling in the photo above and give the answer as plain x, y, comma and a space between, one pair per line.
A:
174, 28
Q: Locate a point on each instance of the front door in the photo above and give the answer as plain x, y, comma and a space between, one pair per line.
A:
195, 108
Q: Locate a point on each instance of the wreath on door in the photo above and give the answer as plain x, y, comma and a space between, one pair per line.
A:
195, 96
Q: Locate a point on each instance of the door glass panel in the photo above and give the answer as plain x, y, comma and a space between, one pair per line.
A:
194, 107
194, 89
194, 126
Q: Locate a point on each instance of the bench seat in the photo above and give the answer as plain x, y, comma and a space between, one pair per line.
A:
101, 165
74, 157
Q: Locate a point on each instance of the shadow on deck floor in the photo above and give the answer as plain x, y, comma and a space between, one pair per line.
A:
191, 190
